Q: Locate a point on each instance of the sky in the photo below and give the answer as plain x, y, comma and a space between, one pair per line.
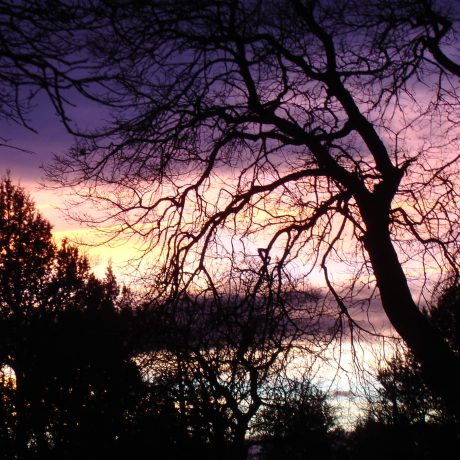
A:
24, 152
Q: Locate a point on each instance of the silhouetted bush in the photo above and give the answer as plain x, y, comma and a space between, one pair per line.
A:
296, 423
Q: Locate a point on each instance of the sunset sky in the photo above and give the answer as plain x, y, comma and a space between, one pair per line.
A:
51, 139
23, 152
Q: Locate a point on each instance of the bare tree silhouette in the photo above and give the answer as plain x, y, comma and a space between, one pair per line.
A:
318, 131
221, 355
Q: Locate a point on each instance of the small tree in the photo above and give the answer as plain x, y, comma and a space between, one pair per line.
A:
220, 353
26, 252
445, 314
296, 422
403, 398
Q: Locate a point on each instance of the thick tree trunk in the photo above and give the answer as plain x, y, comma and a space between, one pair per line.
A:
240, 448
440, 366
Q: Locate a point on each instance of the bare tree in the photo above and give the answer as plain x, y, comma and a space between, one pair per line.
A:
297, 131
221, 356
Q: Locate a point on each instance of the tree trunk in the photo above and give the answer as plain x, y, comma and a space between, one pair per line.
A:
440, 366
240, 448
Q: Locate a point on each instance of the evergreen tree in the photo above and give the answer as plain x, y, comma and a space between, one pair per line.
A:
72, 383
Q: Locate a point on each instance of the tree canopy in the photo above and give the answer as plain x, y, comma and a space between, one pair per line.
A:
68, 381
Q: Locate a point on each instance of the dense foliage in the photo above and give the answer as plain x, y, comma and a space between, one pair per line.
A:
70, 388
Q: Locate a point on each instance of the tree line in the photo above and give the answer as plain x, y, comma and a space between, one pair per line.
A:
90, 369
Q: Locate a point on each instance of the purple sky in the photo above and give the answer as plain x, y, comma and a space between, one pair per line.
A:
51, 138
